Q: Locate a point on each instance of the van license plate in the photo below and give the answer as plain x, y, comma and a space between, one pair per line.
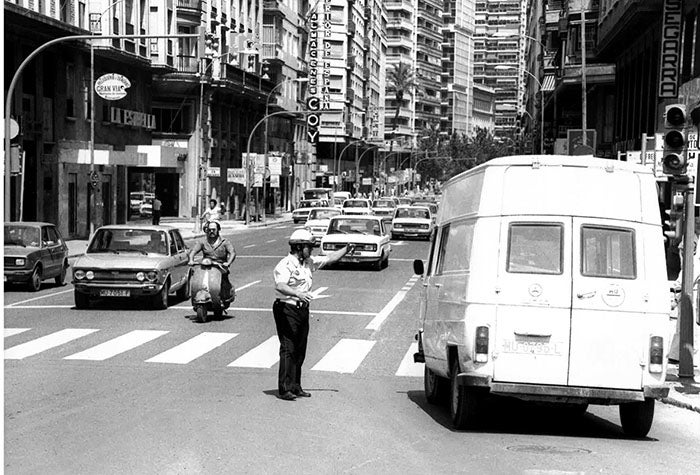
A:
531, 347
115, 293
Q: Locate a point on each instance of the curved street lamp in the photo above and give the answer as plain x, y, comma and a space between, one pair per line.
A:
336, 163
357, 165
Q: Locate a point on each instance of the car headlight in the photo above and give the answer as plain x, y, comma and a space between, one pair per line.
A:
20, 261
79, 274
370, 247
89, 275
152, 275
140, 276
425, 226
328, 246
398, 226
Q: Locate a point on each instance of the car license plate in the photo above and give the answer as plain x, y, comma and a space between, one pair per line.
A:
532, 347
114, 293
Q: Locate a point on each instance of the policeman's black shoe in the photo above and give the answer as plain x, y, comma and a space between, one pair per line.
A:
288, 396
301, 393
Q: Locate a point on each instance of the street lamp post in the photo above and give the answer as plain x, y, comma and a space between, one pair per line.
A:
539, 84
247, 155
266, 146
357, 165
336, 163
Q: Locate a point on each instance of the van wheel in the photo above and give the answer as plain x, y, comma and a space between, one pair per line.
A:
435, 387
464, 402
636, 417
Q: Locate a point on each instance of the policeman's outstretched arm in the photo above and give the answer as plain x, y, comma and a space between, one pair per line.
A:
336, 255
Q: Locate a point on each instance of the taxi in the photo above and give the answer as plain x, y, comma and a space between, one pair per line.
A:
369, 234
317, 224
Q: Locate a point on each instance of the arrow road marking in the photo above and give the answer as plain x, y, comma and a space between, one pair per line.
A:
316, 294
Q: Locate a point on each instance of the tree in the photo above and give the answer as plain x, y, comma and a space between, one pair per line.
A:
401, 81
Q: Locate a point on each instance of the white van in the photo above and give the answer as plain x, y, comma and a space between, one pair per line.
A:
546, 281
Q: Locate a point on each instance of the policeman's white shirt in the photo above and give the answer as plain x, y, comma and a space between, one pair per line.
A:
296, 275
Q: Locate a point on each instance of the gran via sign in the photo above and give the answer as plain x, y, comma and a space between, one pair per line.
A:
670, 57
112, 87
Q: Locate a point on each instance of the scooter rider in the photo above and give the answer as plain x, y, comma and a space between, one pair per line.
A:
291, 308
217, 249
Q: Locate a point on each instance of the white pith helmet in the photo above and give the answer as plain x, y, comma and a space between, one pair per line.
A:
301, 236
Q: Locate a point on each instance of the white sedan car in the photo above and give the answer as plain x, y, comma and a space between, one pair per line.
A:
318, 220
412, 221
357, 206
369, 234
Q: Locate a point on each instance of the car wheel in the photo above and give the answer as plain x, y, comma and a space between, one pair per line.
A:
35, 280
378, 264
636, 417
464, 402
218, 314
160, 301
435, 387
385, 262
81, 300
61, 278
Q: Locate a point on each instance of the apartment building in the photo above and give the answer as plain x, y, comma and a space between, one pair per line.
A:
457, 88
499, 58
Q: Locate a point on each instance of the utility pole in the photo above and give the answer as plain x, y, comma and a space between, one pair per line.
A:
685, 338
584, 100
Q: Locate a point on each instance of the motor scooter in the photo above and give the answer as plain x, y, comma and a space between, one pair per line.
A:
205, 289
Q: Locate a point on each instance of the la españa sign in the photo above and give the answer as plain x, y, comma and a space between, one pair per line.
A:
112, 87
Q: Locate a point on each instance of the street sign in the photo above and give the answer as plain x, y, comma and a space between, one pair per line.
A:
274, 181
95, 23
257, 180
214, 171
112, 87
235, 175
259, 164
275, 164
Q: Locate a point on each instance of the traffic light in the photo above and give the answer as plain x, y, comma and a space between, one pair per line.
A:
265, 70
675, 160
207, 44
674, 223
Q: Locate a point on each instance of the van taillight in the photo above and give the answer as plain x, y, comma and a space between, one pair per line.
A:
482, 344
656, 354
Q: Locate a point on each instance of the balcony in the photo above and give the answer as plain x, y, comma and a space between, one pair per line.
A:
623, 21
400, 23
190, 9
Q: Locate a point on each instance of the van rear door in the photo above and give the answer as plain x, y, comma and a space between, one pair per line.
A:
608, 306
534, 300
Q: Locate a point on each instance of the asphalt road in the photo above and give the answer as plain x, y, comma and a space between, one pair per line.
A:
145, 391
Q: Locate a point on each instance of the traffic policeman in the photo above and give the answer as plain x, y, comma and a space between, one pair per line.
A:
293, 279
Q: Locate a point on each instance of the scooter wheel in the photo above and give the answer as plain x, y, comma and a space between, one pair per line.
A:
202, 316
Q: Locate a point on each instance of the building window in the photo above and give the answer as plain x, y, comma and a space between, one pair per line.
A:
70, 92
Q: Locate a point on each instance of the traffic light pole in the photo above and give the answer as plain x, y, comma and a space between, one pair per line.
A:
685, 347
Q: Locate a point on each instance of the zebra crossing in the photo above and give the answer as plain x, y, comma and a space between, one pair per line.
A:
346, 356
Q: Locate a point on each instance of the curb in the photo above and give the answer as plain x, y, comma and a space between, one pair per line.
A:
678, 400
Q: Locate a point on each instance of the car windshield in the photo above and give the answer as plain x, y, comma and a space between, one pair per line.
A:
354, 204
382, 204
357, 226
21, 235
412, 213
143, 241
323, 213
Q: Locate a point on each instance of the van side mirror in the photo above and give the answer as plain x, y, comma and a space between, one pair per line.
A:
418, 267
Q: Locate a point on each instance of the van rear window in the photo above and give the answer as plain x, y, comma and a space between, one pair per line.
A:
535, 248
608, 252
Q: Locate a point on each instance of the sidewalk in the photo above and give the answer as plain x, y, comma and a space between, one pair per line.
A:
76, 247
685, 393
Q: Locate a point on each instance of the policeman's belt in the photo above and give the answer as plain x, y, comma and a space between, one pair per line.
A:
293, 302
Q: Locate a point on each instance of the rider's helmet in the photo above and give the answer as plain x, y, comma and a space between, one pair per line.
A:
300, 238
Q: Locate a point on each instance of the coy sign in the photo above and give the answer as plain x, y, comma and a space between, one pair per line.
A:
112, 87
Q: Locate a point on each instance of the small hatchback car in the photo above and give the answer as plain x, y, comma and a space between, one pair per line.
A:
369, 235
132, 261
34, 252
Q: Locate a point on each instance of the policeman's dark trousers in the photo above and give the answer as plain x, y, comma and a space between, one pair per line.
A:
292, 325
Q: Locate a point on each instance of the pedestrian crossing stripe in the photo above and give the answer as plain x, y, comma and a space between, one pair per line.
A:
346, 356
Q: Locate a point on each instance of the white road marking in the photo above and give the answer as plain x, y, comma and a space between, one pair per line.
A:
238, 289
40, 297
279, 227
238, 256
47, 342
265, 355
345, 357
117, 345
249, 245
41, 306
377, 321
272, 240
15, 331
269, 309
407, 366
316, 294
193, 348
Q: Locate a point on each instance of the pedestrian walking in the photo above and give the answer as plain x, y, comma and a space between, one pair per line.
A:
293, 279
155, 210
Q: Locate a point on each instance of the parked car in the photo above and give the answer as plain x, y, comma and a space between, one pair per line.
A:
357, 206
146, 208
132, 261
412, 221
369, 234
384, 206
301, 212
34, 252
317, 224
